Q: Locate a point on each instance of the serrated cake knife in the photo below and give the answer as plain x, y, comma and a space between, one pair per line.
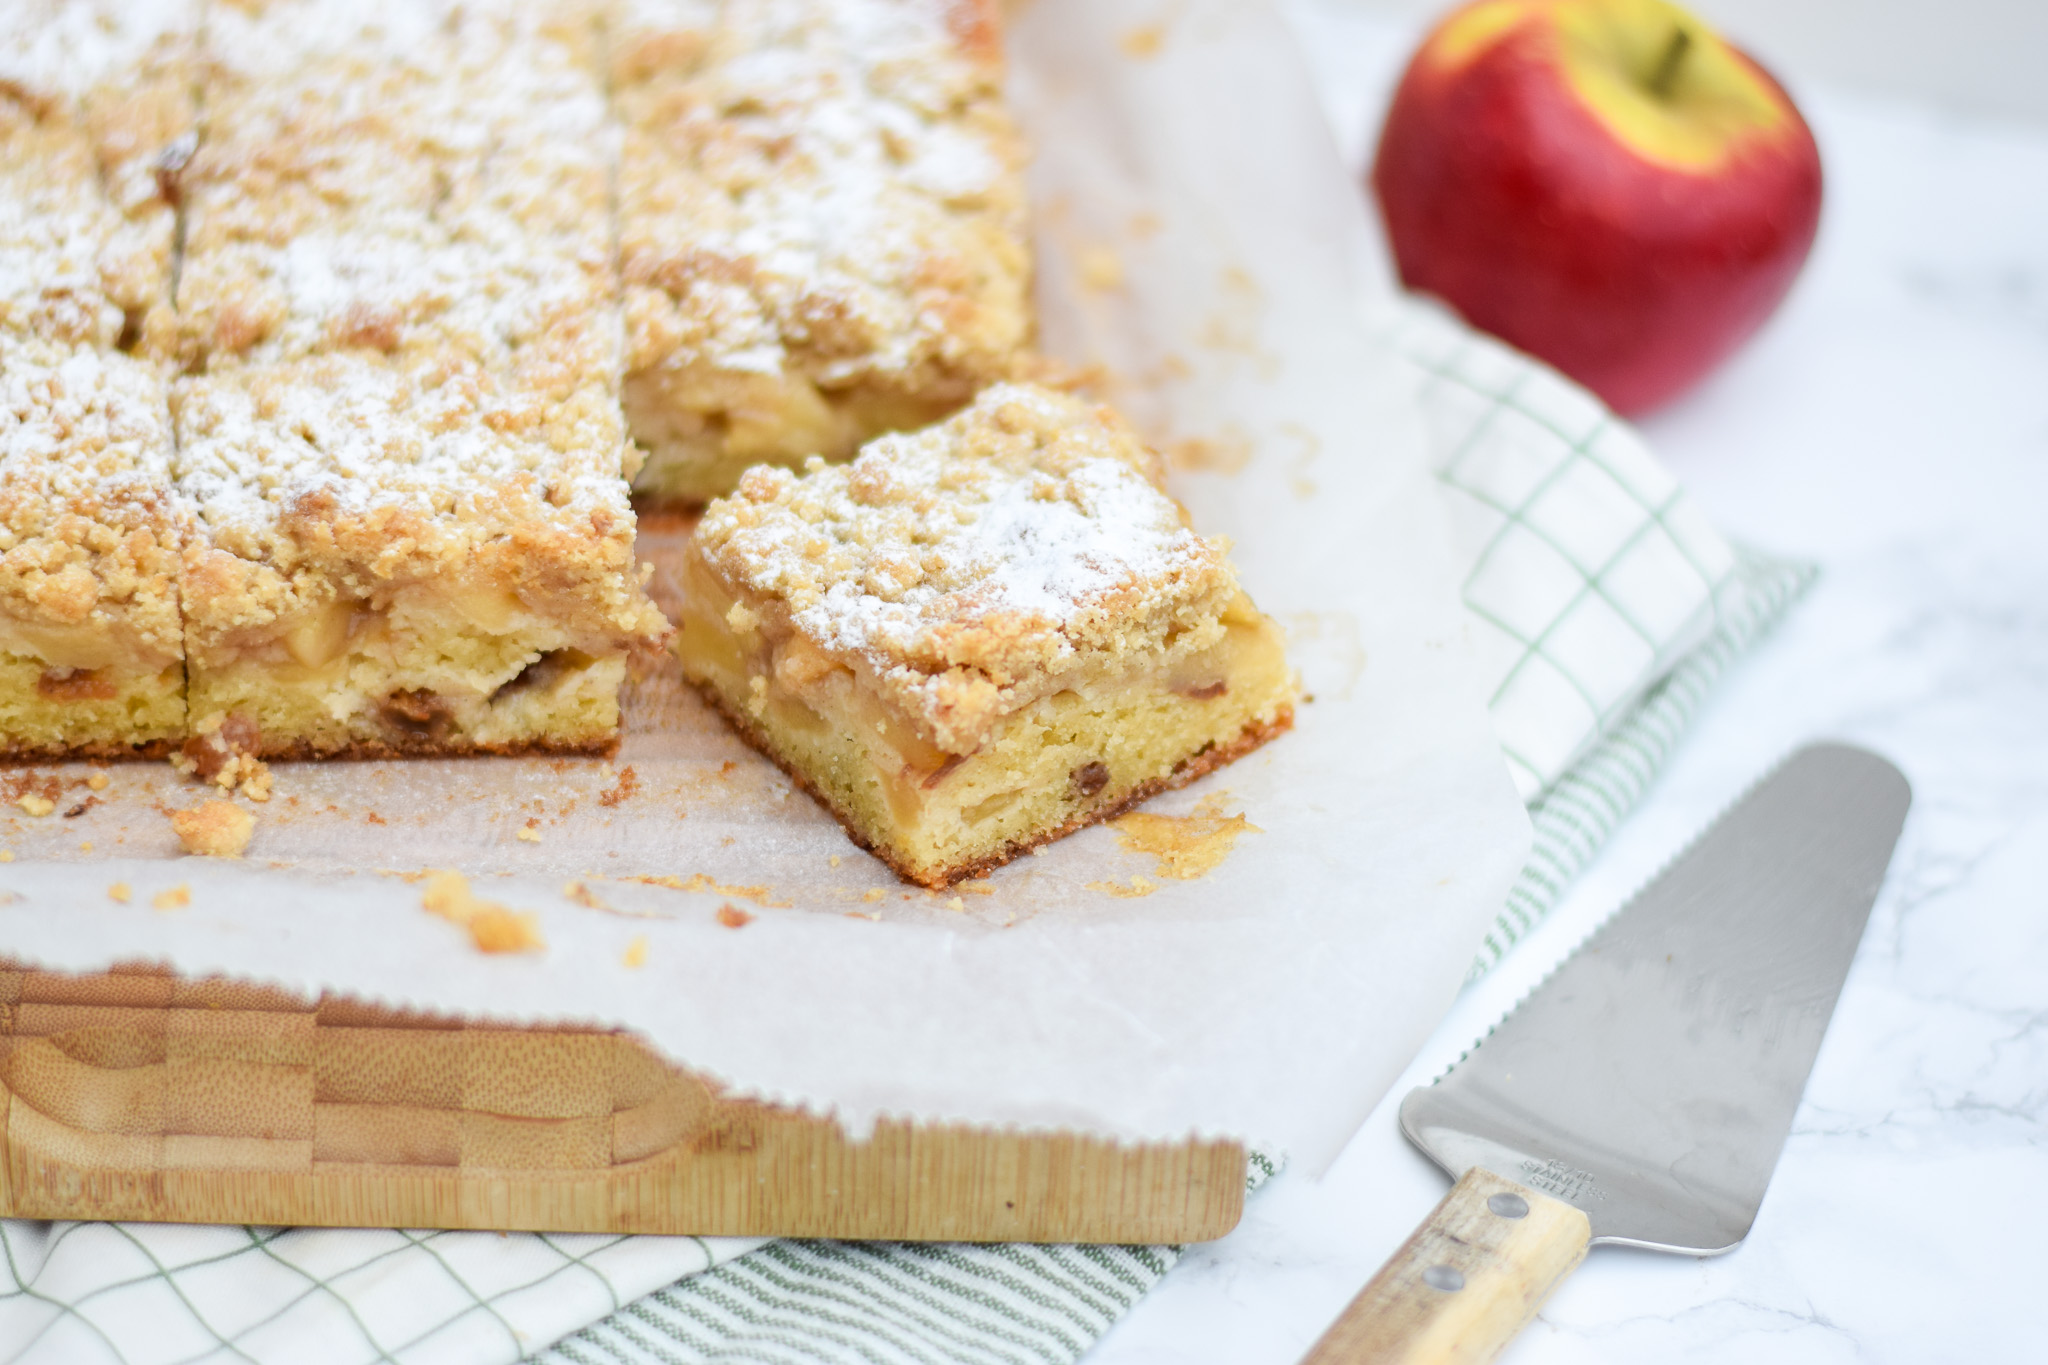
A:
1641, 1095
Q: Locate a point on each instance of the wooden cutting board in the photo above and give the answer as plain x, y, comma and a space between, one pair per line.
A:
137, 1094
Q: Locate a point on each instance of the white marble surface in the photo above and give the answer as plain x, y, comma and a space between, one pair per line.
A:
1891, 423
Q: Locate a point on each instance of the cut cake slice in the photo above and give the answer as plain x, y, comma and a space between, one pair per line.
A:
399, 561
96, 114
402, 436
90, 645
95, 97
821, 225
979, 637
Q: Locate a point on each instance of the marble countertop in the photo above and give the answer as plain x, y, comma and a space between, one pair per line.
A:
1890, 423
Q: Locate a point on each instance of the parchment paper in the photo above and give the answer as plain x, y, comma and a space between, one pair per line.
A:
1198, 236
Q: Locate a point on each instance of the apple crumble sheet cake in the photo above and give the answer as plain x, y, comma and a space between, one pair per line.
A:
981, 636
400, 430
821, 226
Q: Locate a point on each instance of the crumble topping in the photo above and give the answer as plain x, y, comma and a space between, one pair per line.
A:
345, 473
90, 92
402, 172
824, 187
89, 531
966, 567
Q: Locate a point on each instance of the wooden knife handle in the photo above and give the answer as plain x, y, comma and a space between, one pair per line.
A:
1465, 1282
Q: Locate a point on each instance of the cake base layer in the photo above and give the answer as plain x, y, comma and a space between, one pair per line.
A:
53, 713
1080, 755
1107, 807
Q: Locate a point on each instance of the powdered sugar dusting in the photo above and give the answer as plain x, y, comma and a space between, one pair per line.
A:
1040, 551
981, 556
69, 49
365, 433
396, 172
400, 270
824, 189
89, 89
89, 533
75, 420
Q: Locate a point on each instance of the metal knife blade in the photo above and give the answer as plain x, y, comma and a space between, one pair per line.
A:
1652, 1079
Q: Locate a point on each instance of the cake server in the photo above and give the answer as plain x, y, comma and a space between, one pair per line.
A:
1640, 1096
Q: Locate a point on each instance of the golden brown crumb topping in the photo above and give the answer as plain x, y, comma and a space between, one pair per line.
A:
827, 189
94, 95
89, 533
970, 567
214, 829
350, 473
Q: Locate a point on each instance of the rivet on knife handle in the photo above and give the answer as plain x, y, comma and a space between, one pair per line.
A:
1465, 1282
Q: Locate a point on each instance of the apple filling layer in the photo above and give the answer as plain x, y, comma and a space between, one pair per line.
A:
355, 681
979, 637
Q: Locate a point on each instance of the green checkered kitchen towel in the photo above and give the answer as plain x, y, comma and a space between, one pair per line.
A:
1605, 608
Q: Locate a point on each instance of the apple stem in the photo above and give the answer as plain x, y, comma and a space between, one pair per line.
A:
1667, 65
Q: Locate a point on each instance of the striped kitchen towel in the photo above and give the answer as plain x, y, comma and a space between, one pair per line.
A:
1606, 608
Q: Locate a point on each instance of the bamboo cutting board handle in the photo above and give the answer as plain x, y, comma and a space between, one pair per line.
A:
1465, 1282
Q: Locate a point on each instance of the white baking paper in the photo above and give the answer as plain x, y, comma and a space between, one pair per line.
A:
1198, 237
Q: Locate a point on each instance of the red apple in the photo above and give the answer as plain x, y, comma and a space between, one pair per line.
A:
1605, 184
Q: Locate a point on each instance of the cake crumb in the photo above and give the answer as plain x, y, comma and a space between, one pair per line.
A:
214, 829
697, 881
1143, 42
873, 894
528, 833
636, 952
956, 904
622, 790
119, 893
1184, 846
36, 805
834, 860
176, 898
97, 782
223, 750
85, 846
497, 930
1138, 886
492, 927
584, 896
732, 917
1102, 270
6, 855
